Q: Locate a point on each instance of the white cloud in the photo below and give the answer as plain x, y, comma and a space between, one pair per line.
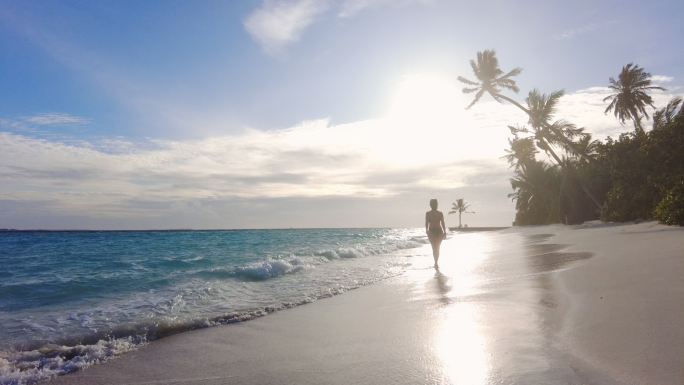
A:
367, 159
660, 79
407, 153
586, 109
349, 8
55, 119
278, 23
582, 30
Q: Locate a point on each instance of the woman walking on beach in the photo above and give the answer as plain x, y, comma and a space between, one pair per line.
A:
435, 229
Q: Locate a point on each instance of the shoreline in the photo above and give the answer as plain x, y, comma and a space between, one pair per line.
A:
528, 316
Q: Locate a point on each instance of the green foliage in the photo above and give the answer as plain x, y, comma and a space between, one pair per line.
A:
638, 176
630, 96
670, 210
536, 192
642, 171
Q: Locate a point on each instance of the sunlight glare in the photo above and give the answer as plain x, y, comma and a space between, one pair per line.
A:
459, 340
426, 99
426, 124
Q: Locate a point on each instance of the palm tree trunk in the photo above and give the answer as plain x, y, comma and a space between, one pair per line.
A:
459, 219
638, 128
553, 154
568, 142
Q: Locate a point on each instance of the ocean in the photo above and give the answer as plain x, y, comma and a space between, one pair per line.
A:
74, 298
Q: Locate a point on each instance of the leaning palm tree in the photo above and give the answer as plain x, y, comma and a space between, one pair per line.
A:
491, 80
631, 95
541, 109
668, 113
460, 207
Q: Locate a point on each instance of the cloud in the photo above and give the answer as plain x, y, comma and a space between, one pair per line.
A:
43, 124
349, 8
582, 30
586, 107
278, 23
360, 160
388, 161
55, 119
660, 79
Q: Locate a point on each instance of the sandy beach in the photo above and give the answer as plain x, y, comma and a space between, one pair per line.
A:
592, 304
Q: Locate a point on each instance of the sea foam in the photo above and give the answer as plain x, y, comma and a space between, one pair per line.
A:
142, 286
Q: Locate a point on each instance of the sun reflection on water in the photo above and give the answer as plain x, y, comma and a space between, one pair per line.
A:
458, 339
460, 346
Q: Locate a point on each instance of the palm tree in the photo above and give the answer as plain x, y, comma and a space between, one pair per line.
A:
631, 95
535, 193
491, 80
460, 207
587, 146
667, 114
522, 150
541, 108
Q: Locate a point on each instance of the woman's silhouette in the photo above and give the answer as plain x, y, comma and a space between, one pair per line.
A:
435, 229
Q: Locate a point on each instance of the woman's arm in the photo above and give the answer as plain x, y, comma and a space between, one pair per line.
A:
441, 223
426, 223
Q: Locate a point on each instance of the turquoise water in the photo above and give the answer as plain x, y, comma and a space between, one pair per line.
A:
70, 299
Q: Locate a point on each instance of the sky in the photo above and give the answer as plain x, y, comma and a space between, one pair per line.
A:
298, 113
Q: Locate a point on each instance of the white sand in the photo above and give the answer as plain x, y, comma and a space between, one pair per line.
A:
509, 307
626, 308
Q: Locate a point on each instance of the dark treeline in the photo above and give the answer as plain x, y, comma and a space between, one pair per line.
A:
637, 176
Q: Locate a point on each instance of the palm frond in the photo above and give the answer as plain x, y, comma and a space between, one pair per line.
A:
476, 98
467, 81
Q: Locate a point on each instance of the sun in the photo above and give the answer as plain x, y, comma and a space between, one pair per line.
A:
426, 125
430, 99
424, 118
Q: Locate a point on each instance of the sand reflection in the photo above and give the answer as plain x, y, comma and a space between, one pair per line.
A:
460, 346
459, 341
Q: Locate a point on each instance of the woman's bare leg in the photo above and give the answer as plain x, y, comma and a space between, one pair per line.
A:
436, 243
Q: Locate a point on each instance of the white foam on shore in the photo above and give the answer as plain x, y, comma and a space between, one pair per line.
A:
92, 333
28, 367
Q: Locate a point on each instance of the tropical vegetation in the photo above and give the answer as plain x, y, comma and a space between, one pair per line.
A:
637, 176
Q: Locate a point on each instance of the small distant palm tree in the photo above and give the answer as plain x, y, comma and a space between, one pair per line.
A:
667, 114
631, 95
460, 207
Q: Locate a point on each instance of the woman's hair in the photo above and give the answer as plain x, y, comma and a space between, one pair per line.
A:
433, 203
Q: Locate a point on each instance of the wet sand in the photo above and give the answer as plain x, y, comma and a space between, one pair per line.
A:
540, 305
